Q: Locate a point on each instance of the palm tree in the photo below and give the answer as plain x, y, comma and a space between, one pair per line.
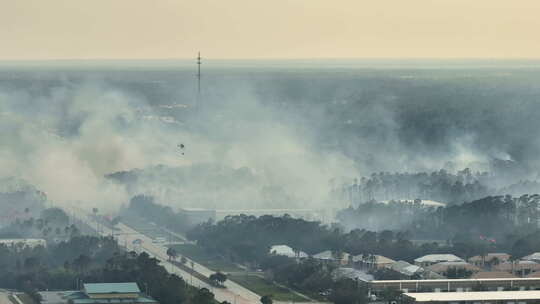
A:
95, 211
81, 263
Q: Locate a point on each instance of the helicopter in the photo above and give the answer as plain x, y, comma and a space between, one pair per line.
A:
181, 147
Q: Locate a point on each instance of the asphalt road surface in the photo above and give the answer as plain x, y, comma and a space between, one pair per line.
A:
233, 293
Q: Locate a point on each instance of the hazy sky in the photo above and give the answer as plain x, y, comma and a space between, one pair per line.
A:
76, 29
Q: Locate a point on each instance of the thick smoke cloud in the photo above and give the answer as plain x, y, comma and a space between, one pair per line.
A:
65, 137
290, 131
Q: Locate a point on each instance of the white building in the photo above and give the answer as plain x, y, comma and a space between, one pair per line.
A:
506, 297
287, 251
24, 242
535, 257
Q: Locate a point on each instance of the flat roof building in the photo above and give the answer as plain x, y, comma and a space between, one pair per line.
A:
456, 285
507, 297
24, 242
112, 290
111, 293
99, 293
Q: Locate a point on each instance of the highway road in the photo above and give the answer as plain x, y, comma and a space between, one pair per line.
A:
4, 298
233, 293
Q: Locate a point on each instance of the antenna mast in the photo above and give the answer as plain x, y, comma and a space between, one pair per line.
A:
199, 79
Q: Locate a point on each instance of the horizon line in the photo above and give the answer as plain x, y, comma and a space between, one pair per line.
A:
282, 59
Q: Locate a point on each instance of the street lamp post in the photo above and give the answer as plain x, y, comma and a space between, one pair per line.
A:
191, 273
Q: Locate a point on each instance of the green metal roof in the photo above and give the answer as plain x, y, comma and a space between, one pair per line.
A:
143, 300
111, 288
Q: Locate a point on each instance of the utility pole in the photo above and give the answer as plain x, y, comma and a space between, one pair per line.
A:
192, 270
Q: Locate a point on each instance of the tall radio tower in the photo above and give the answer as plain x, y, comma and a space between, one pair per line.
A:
199, 79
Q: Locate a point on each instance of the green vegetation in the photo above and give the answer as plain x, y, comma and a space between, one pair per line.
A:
143, 206
52, 225
26, 298
491, 224
91, 259
261, 286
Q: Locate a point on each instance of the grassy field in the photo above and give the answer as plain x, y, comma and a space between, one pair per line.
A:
147, 228
24, 298
261, 286
200, 256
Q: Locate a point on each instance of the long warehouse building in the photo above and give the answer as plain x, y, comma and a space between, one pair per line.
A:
456, 285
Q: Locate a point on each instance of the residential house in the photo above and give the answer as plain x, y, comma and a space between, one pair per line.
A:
443, 267
431, 259
492, 275
535, 257
371, 261
406, 269
351, 273
519, 268
327, 256
489, 260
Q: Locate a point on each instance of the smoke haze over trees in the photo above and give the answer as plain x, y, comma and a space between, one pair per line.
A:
265, 135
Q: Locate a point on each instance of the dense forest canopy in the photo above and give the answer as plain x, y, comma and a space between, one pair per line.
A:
491, 224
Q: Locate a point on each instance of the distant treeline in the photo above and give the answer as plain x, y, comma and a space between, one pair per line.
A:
144, 206
438, 186
442, 186
493, 217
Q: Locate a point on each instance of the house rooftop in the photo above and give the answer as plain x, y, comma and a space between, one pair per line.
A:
287, 251
434, 258
329, 255
492, 275
351, 273
97, 288
405, 268
444, 266
325, 255
490, 256
534, 256
375, 259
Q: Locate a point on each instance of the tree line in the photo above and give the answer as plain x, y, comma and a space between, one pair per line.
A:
144, 206
52, 224
90, 259
441, 185
491, 224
